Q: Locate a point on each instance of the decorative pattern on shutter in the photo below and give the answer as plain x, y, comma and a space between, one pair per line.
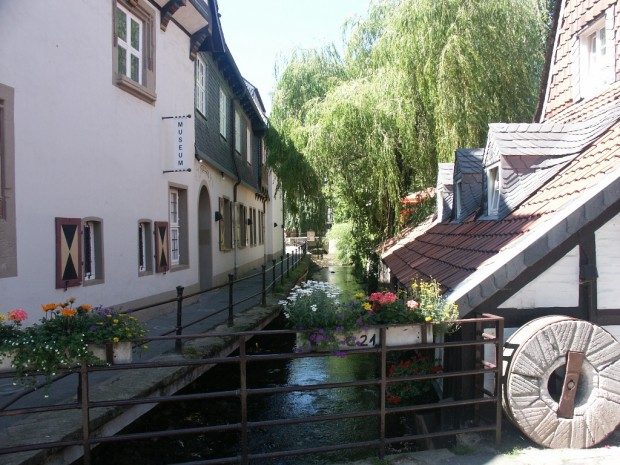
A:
610, 66
68, 252
162, 247
576, 58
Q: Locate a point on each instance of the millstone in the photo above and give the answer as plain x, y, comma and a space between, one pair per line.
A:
531, 356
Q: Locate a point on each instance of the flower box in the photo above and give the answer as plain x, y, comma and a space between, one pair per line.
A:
121, 352
397, 335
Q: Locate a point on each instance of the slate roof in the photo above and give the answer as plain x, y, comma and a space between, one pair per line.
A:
445, 175
468, 169
466, 256
531, 154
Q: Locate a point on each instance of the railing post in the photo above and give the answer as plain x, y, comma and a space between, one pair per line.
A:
499, 341
281, 269
84, 403
243, 397
264, 289
231, 279
178, 343
382, 333
288, 264
273, 272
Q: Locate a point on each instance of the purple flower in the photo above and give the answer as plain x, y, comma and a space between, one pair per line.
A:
104, 311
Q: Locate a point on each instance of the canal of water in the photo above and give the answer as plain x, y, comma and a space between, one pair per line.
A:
290, 405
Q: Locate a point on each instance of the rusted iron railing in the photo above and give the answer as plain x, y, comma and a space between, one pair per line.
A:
297, 255
380, 442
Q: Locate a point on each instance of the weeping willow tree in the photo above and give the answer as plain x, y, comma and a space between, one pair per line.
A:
418, 79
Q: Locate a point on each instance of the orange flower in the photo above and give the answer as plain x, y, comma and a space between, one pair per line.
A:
49, 307
68, 312
86, 307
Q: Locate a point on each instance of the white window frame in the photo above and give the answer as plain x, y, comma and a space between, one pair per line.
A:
126, 44
597, 61
90, 244
458, 199
200, 87
494, 176
223, 114
175, 237
142, 238
237, 132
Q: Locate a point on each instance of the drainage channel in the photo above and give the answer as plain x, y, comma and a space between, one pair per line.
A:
268, 407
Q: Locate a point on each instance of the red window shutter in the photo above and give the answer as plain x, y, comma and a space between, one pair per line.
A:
68, 252
162, 247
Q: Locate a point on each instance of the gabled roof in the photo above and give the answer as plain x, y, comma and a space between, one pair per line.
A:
445, 192
474, 258
468, 170
221, 53
531, 154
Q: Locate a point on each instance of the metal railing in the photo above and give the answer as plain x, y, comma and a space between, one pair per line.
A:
291, 259
380, 442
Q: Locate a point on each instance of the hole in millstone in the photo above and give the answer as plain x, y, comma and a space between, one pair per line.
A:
556, 381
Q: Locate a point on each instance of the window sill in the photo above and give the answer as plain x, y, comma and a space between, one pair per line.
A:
92, 282
179, 267
138, 90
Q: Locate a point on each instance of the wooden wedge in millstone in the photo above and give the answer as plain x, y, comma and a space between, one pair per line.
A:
588, 410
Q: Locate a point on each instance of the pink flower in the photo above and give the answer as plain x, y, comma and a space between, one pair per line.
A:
383, 298
17, 315
412, 304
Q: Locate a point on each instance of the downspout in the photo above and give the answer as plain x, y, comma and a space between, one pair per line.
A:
235, 206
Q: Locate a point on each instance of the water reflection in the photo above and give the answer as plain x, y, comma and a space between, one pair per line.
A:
304, 371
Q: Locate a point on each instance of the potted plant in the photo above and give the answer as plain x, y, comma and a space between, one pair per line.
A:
324, 322
331, 323
10, 331
411, 392
57, 342
110, 335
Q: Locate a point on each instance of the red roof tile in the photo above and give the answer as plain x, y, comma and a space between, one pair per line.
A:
452, 252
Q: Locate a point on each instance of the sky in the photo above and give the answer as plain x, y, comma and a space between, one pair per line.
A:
260, 34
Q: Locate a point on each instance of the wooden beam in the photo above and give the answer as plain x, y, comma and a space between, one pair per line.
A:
196, 41
168, 11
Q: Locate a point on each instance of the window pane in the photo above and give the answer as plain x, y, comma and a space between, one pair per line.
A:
141, 260
135, 68
135, 35
122, 60
601, 38
121, 24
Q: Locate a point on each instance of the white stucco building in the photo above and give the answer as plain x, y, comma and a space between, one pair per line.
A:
91, 204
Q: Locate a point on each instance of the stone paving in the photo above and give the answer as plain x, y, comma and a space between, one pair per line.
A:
515, 449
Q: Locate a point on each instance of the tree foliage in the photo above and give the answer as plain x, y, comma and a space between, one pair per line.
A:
417, 79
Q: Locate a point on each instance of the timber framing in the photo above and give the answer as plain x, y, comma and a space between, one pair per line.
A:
168, 11
585, 222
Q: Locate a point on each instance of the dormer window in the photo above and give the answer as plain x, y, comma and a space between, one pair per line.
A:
457, 199
594, 65
493, 185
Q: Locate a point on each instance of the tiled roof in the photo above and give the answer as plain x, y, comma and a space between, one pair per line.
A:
461, 255
577, 14
531, 154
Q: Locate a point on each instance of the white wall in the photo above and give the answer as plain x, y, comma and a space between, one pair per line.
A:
274, 240
556, 287
608, 264
85, 147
